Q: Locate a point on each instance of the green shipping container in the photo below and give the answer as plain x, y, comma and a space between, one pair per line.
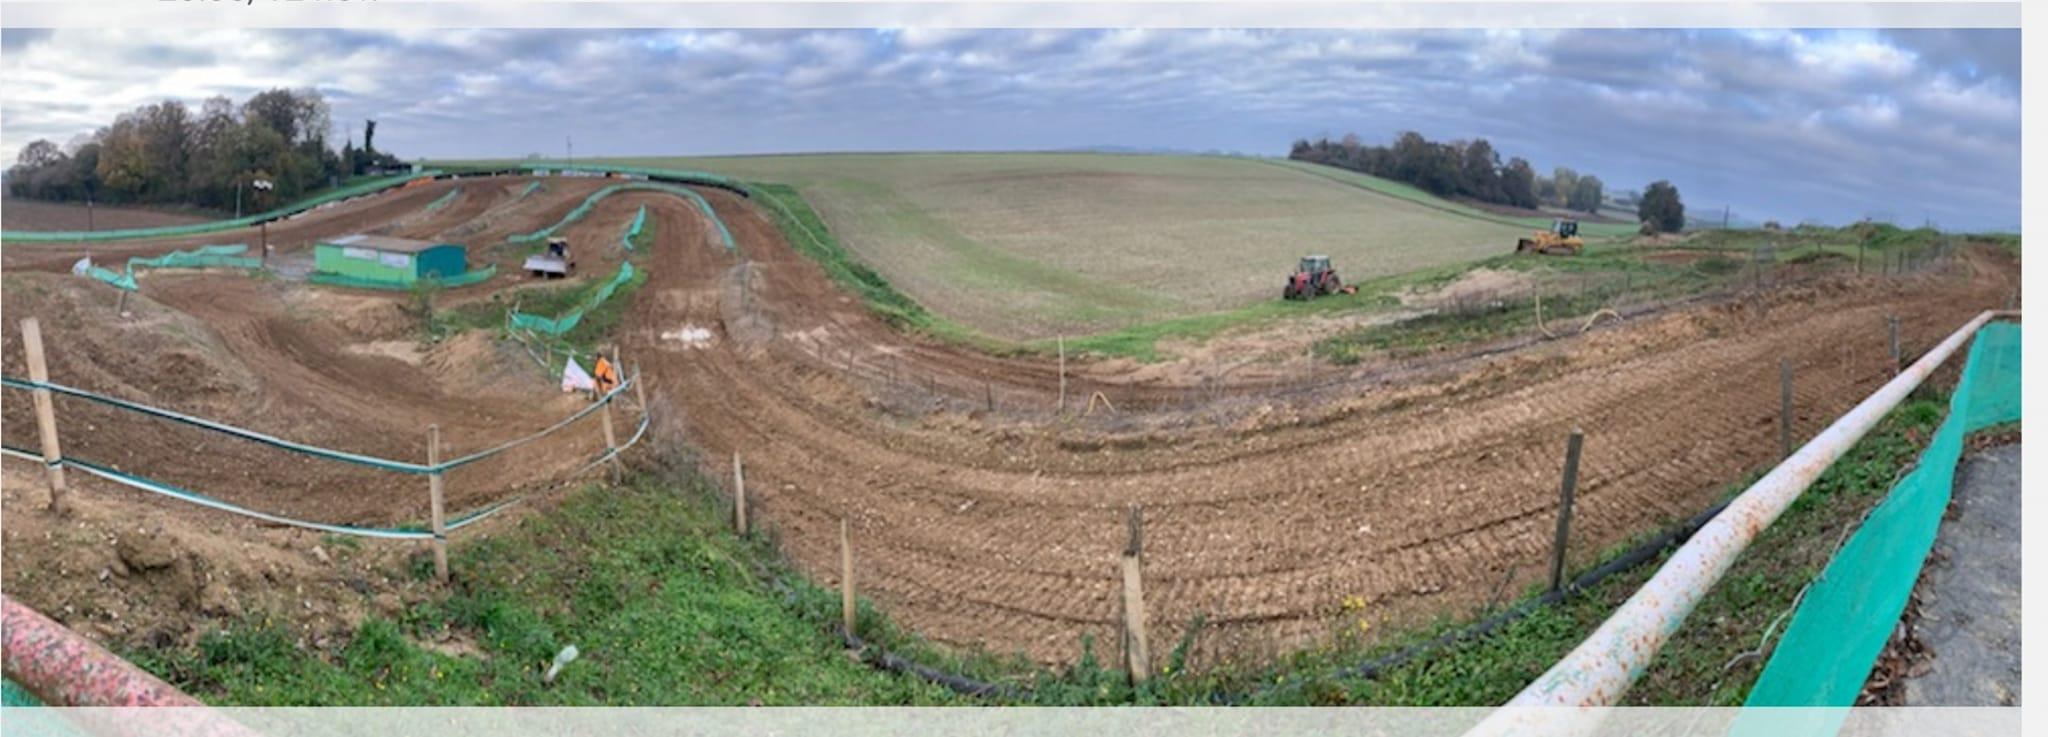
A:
396, 261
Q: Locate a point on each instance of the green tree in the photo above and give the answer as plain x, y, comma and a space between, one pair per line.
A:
1567, 183
1518, 183
1480, 175
1585, 196
1660, 207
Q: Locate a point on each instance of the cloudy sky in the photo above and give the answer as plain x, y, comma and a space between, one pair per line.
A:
1832, 126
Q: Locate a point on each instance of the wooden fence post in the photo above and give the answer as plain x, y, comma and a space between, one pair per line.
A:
739, 495
1564, 508
1784, 408
435, 498
1062, 341
46, 412
611, 441
1138, 655
846, 605
1892, 321
640, 390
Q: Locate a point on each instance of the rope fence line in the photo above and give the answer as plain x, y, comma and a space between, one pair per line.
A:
390, 533
55, 461
385, 464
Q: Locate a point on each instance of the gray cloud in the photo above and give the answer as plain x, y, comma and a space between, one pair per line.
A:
1788, 125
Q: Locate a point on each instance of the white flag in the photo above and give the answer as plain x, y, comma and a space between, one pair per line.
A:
575, 378
82, 267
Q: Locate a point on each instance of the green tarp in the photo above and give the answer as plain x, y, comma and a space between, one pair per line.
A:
1845, 619
567, 322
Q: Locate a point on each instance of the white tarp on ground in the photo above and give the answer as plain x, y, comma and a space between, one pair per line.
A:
574, 378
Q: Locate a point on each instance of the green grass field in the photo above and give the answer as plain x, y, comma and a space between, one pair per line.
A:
1410, 193
1026, 246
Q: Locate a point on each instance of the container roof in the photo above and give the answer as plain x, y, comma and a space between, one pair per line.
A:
385, 243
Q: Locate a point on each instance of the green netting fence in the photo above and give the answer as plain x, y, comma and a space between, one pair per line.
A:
355, 282
559, 325
229, 255
354, 190
633, 231
1845, 618
444, 199
12, 694
590, 203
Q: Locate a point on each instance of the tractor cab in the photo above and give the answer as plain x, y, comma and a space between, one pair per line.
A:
553, 262
1313, 278
1564, 227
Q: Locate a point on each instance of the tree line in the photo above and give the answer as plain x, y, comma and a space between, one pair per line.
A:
166, 153
1456, 168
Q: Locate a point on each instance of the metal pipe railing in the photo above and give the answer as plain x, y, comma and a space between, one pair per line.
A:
1600, 670
63, 668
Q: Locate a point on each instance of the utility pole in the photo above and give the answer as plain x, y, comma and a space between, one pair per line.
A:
570, 144
1725, 209
238, 199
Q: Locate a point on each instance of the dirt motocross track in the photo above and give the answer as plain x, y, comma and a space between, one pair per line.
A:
1268, 502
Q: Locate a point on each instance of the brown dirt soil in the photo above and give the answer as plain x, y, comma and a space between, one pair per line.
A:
37, 215
128, 568
1269, 497
1475, 285
1417, 495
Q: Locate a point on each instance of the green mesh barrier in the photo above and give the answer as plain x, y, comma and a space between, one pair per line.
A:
197, 258
12, 694
1844, 620
590, 203
568, 321
444, 199
337, 280
633, 231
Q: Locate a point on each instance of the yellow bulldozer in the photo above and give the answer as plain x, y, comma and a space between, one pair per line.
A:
1561, 240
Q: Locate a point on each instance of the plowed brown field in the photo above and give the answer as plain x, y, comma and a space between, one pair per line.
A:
1268, 502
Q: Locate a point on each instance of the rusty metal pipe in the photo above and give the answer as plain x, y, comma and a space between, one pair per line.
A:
64, 669
1600, 670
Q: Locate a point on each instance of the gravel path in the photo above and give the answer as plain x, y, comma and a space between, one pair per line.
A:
1970, 608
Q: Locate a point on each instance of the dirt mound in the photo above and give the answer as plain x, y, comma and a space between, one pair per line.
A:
89, 344
133, 570
1476, 286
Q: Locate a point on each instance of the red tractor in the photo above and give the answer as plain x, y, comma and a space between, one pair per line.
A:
1314, 278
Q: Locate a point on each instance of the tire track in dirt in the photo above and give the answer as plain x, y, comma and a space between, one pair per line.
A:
1268, 500
1257, 527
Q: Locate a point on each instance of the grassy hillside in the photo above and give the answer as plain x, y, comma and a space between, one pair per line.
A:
664, 604
1025, 246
